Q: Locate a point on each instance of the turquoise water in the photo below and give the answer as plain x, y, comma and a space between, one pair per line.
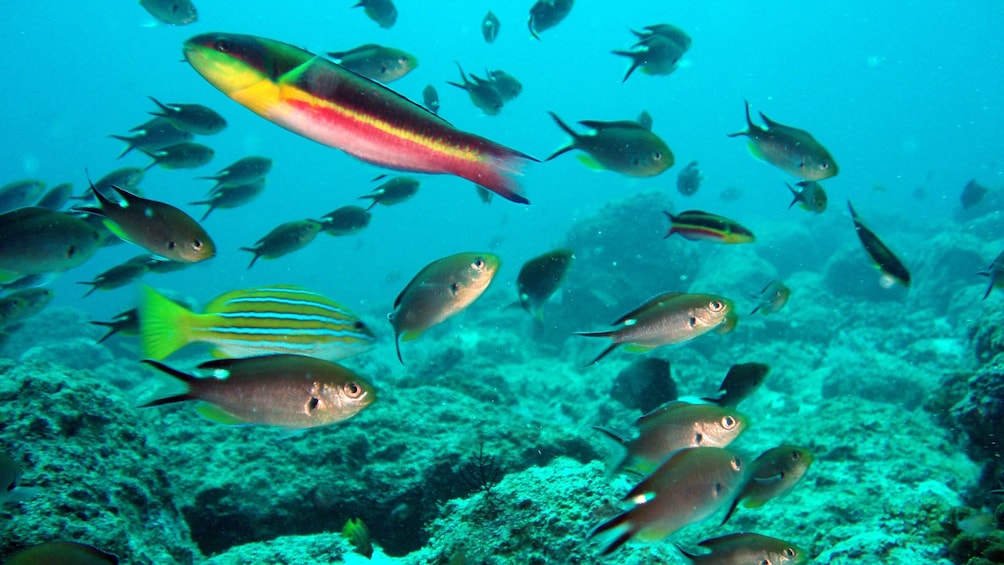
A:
906, 97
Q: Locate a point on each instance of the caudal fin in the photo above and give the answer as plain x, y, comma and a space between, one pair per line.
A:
164, 325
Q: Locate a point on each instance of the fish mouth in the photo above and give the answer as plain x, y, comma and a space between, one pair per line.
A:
225, 72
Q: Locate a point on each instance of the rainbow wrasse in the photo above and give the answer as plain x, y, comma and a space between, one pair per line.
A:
696, 225
327, 103
893, 270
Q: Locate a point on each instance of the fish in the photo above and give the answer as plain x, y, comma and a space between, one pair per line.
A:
193, 118
283, 390
481, 91
430, 98
790, 149
153, 135
995, 272
316, 98
254, 321
117, 277
624, 147
155, 226
159, 265
241, 172
490, 26
773, 297
20, 194
346, 220
674, 426
126, 323
656, 56
771, 475
186, 155
394, 191
740, 548
686, 488
11, 492
742, 380
35, 240
893, 270
668, 318
688, 181
56, 197
973, 194
284, 239
20, 305
126, 177
383, 64
383, 12
730, 194
231, 196
62, 553
439, 291
645, 384
540, 277
696, 225
505, 84
665, 31
810, 196
545, 14
172, 12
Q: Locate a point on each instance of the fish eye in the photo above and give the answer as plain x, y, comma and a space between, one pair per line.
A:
223, 45
789, 552
737, 463
478, 263
693, 321
352, 389
796, 455
716, 305
657, 156
728, 422
824, 166
197, 244
312, 405
765, 562
698, 438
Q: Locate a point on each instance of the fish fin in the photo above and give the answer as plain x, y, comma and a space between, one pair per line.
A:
218, 354
989, 288
218, 415
117, 230
590, 162
650, 303
565, 127
732, 509
253, 259
180, 375
635, 62
755, 310
638, 348
797, 195
19, 494
755, 151
164, 325
457, 85
603, 353
8, 276
645, 120
502, 164
719, 401
410, 335
131, 144
611, 434
754, 503
397, 346
687, 554
165, 110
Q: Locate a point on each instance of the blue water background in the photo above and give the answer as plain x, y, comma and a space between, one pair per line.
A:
904, 95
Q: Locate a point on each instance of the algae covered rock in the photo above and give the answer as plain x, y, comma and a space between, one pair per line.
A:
981, 413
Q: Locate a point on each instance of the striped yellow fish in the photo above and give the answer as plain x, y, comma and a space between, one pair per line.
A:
254, 321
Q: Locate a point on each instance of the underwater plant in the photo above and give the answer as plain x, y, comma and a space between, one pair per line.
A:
482, 473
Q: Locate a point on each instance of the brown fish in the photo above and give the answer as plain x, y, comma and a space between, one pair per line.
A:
743, 548
346, 220
186, 155
540, 277
771, 475
288, 391
117, 277
23, 304
231, 196
284, 239
194, 118
36, 240
62, 553
394, 191
240, 172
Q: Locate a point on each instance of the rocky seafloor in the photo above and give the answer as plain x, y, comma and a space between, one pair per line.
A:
899, 394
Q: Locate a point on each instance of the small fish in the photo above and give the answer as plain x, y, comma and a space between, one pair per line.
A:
254, 321
665, 31
996, 274
545, 14
153, 135
668, 318
656, 56
193, 118
540, 277
741, 548
439, 291
20, 305
430, 98
172, 12
126, 323
159, 228
505, 84
772, 475
36, 240
56, 197
394, 191
482, 93
10, 490
231, 196
686, 488
490, 26
358, 534
126, 177
287, 391
625, 147
696, 225
117, 277
27, 281
384, 64
645, 384
773, 297
790, 149
320, 100
284, 239
674, 426
62, 553
185, 155
893, 270
730, 194
346, 220
742, 380
159, 265
20, 194
383, 12
973, 194
810, 196
241, 172
689, 180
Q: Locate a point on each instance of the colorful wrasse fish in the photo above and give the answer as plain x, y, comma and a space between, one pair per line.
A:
702, 226
254, 321
893, 270
322, 101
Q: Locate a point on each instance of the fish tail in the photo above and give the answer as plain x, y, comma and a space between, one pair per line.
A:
757, 309
397, 346
989, 288
150, 155
672, 228
164, 325
497, 172
253, 259
794, 193
529, 25
635, 63
457, 85
164, 109
130, 143
749, 123
91, 290
183, 377
111, 330
620, 519
732, 509
567, 130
